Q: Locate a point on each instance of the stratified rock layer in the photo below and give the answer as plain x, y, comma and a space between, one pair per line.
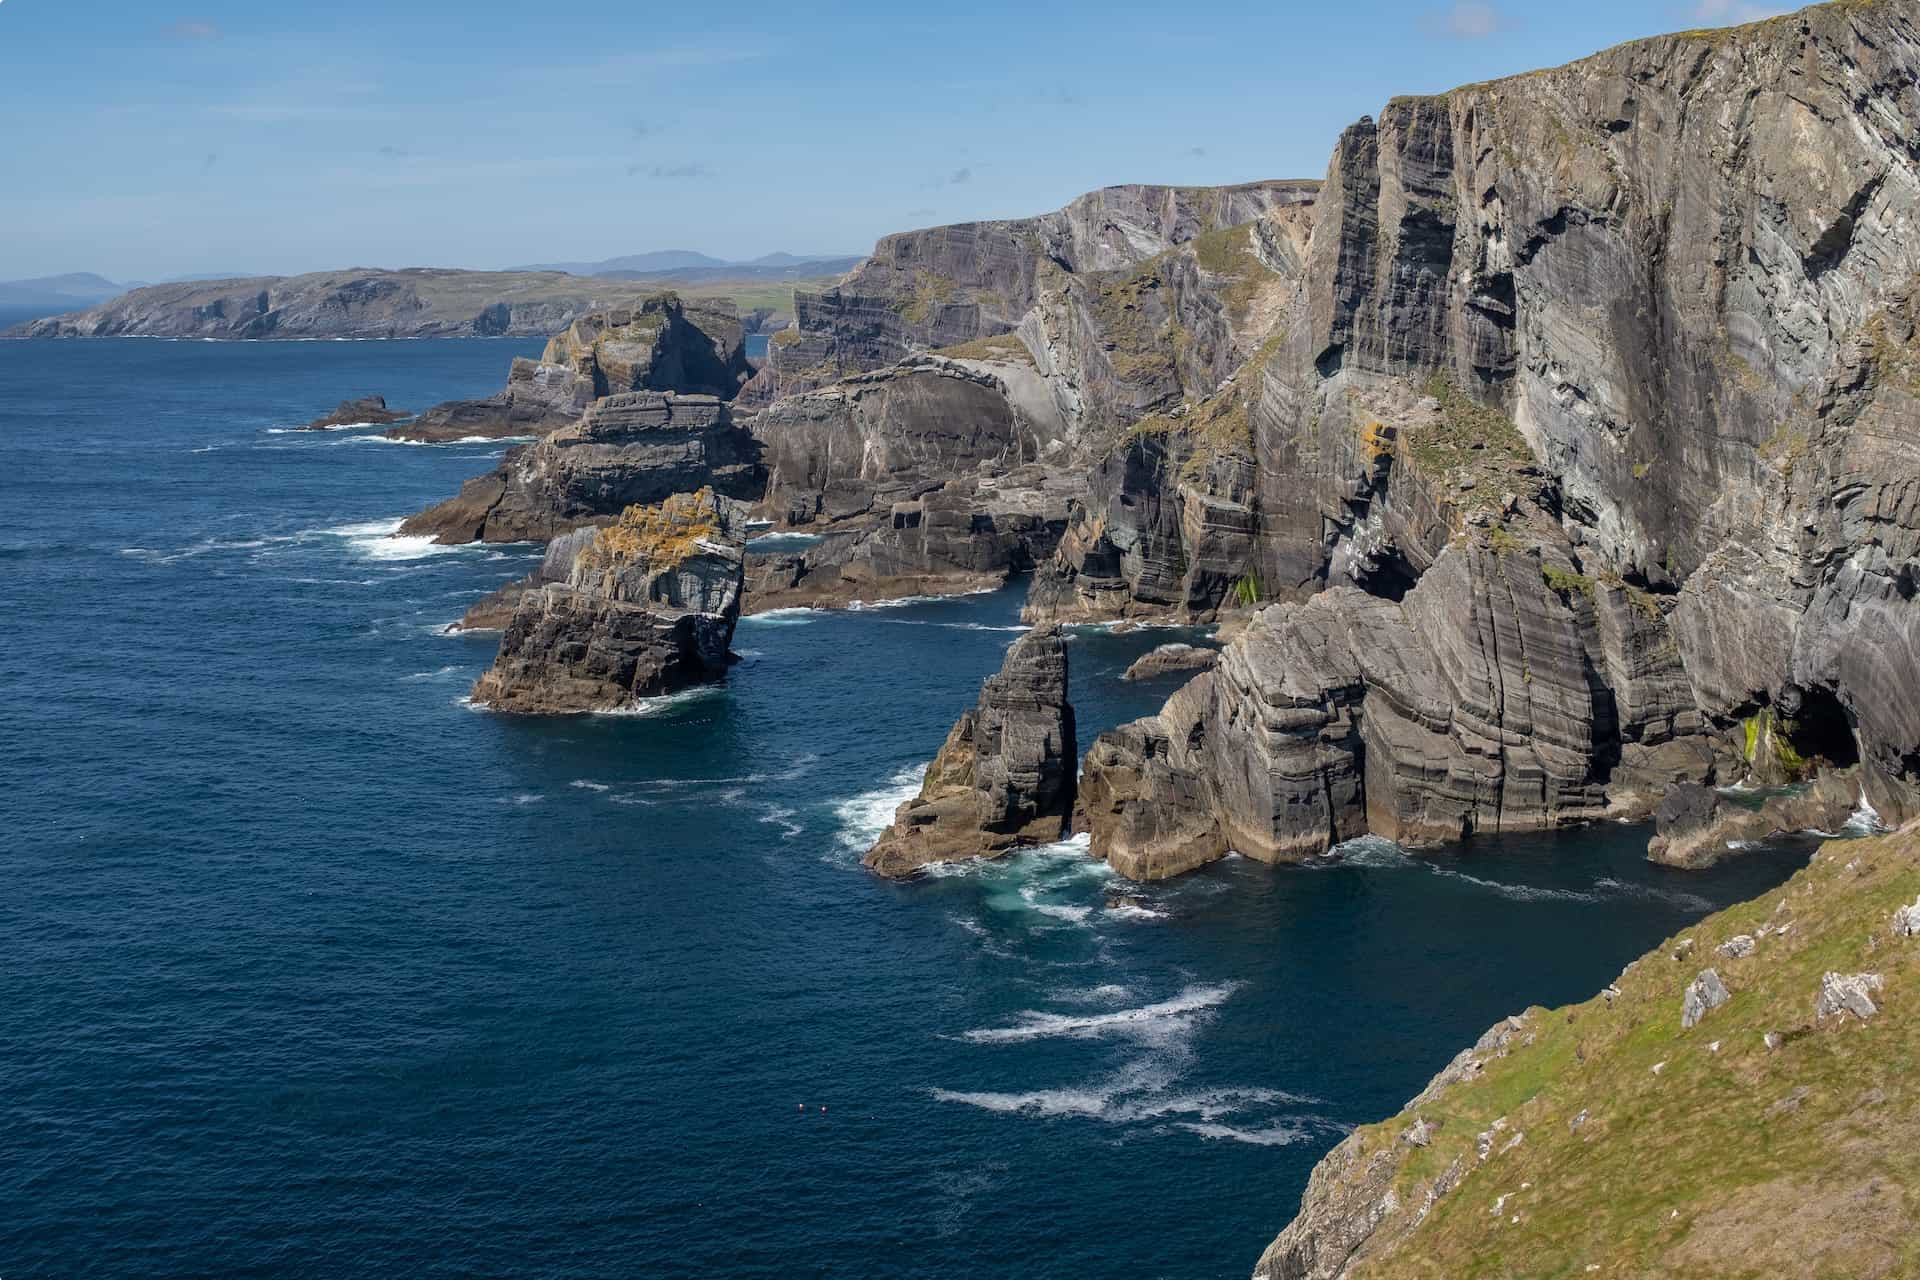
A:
1005, 776
661, 344
636, 447
648, 607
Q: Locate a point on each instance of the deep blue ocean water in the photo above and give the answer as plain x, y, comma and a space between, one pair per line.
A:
310, 970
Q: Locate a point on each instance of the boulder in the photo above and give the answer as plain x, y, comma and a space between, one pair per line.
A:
1847, 993
1704, 994
648, 607
1005, 775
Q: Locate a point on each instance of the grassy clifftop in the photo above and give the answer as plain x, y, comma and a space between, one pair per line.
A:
1771, 1137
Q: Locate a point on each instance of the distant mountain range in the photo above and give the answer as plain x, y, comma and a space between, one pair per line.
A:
75, 289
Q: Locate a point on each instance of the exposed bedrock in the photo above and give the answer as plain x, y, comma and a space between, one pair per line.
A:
933, 476
1005, 776
660, 344
636, 447
648, 606
1551, 319
1506, 692
945, 286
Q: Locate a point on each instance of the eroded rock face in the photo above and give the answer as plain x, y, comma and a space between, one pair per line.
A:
636, 447
662, 344
1005, 776
945, 286
648, 606
934, 476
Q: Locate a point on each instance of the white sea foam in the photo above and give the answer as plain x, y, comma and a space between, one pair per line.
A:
776, 816
1158, 1022
643, 707
588, 784
863, 817
1518, 892
798, 616
1676, 897
1865, 820
441, 674
1284, 1134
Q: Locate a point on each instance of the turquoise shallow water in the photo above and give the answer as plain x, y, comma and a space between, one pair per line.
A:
312, 971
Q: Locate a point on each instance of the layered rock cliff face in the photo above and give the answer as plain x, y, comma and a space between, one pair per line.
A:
1735, 1103
661, 344
634, 447
935, 475
921, 290
1603, 429
648, 607
1005, 776
419, 302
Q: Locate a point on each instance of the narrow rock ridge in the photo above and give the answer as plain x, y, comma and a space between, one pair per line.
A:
648, 607
1005, 776
361, 412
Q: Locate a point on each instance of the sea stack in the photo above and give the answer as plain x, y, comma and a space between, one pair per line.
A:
1005, 776
647, 608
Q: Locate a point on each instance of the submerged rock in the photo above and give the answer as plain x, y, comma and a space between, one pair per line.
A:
1004, 777
363, 412
648, 607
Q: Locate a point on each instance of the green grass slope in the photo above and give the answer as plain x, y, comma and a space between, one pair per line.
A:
1607, 1139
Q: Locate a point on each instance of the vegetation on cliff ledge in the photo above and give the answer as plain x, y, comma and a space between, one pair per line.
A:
660, 536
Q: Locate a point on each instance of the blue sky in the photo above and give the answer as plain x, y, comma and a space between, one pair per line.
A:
144, 140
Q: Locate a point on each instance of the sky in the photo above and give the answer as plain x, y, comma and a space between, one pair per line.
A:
150, 139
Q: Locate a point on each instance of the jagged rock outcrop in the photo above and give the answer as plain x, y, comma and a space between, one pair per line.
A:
1692, 370
494, 611
365, 411
944, 286
660, 344
635, 447
1496, 696
648, 606
420, 302
1004, 777
933, 476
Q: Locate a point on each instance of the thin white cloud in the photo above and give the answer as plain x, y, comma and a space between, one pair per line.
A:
1471, 20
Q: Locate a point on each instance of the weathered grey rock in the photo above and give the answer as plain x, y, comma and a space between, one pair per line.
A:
633, 448
648, 607
661, 344
363, 412
933, 476
1004, 777
1704, 994
1169, 658
495, 610
1739, 946
1906, 920
1847, 993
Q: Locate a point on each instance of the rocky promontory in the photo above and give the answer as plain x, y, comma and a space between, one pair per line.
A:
648, 607
367, 411
1004, 777
419, 302
659, 344
636, 447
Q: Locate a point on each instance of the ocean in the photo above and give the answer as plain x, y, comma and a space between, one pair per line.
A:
312, 970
